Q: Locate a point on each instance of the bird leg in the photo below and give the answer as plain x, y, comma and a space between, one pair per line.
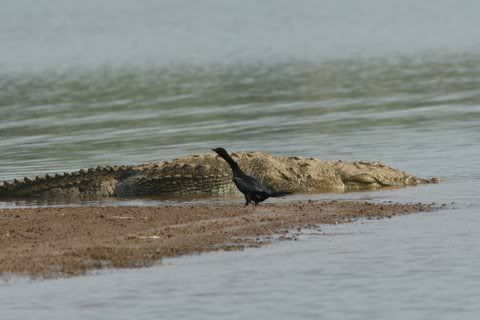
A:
247, 200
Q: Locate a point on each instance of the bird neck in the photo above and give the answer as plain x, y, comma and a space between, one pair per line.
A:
235, 168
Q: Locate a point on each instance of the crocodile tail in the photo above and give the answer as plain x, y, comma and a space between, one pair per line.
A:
3, 188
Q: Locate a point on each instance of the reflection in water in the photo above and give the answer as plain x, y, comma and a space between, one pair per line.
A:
160, 200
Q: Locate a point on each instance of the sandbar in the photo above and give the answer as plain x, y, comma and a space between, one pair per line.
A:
69, 241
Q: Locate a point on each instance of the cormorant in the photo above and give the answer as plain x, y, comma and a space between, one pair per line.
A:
253, 190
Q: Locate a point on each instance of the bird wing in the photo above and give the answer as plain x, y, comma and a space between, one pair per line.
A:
248, 184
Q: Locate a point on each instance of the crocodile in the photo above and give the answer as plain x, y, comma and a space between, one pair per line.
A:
207, 174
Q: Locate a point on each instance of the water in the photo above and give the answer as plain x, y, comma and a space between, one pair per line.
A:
393, 81
376, 109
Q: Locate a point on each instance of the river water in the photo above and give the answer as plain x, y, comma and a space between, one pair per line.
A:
85, 84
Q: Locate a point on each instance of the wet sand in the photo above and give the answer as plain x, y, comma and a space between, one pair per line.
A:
53, 242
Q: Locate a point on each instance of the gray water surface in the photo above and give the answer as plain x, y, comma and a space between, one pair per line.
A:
118, 82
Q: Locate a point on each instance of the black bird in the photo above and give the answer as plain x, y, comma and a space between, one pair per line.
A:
253, 190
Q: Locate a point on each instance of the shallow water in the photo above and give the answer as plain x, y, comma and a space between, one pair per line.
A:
391, 81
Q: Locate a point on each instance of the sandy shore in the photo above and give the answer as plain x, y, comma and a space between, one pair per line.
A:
51, 242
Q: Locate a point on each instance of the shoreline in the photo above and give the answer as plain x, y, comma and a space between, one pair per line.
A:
57, 242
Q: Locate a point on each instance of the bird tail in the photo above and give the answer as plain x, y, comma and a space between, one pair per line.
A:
279, 193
